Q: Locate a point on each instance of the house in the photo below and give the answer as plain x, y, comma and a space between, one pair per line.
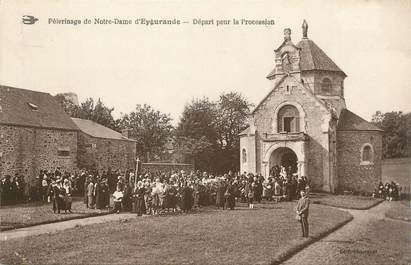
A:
102, 148
35, 133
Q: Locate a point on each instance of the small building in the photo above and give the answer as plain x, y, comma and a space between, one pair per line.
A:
35, 134
101, 148
303, 124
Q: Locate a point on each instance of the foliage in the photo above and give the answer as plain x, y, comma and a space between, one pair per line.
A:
397, 133
150, 128
89, 110
208, 131
206, 135
196, 135
231, 120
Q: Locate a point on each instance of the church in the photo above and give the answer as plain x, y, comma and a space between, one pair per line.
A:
303, 124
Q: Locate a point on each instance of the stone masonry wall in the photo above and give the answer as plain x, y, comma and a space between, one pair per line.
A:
316, 126
102, 154
247, 143
27, 150
352, 175
166, 167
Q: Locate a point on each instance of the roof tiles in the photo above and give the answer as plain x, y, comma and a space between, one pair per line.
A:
23, 107
313, 58
97, 130
350, 121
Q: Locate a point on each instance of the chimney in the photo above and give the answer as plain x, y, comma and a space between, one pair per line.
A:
72, 97
125, 132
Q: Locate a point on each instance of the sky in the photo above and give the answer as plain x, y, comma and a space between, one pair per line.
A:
166, 66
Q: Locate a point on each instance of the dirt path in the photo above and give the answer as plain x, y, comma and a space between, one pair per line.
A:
54, 227
368, 239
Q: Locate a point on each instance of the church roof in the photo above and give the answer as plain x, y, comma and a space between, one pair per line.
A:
350, 121
97, 130
22, 107
313, 58
246, 131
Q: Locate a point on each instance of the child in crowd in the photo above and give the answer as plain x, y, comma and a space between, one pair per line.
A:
118, 198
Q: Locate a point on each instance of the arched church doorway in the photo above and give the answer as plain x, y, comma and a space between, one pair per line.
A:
283, 156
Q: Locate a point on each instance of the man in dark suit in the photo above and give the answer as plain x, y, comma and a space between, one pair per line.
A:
302, 208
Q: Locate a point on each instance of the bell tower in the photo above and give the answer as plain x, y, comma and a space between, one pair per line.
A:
287, 58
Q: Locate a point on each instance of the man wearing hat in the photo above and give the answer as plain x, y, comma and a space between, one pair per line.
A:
302, 208
51, 195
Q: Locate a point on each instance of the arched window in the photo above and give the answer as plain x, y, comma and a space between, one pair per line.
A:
244, 155
367, 154
288, 119
326, 85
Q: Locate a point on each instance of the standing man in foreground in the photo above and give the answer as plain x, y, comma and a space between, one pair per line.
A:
303, 205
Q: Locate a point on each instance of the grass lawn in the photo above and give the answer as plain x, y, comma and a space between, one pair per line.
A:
400, 210
27, 215
398, 170
344, 201
242, 236
387, 242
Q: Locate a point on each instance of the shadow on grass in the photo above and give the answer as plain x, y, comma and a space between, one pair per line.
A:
5, 226
345, 201
300, 245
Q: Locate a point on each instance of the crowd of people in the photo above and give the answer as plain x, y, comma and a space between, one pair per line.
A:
180, 191
152, 192
389, 191
18, 188
158, 192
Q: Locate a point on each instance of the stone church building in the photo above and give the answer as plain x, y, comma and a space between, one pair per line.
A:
303, 123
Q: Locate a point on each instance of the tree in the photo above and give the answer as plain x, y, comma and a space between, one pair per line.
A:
198, 120
232, 119
89, 110
208, 131
397, 133
150, 128
196, 135
194, 151
97, 112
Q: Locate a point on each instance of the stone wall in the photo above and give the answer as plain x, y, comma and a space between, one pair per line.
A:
247, 142
314, 122
27, 150
166, 167
353, 174
103, 154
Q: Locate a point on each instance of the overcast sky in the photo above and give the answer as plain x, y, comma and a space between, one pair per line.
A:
166, 66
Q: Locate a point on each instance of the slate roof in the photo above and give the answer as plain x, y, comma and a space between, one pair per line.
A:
97, 130
24, 107
246, 131
313, 58
350, 121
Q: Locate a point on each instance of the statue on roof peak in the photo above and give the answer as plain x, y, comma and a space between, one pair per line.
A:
305, 29
287, 34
